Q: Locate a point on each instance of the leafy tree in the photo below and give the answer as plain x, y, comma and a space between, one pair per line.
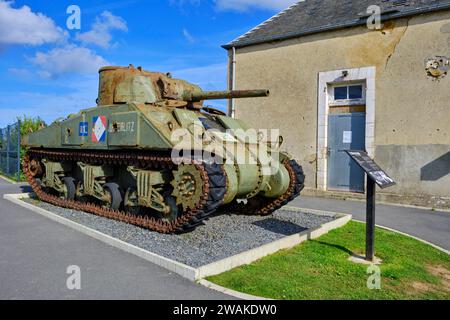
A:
30, 124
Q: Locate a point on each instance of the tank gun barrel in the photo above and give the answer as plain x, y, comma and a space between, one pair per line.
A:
233, 94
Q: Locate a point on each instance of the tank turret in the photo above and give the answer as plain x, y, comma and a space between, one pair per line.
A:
120, 85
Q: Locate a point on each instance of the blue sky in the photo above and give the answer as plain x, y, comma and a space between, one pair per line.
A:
50, 71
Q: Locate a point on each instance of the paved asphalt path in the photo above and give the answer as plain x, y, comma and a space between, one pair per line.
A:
432, 226
35, 253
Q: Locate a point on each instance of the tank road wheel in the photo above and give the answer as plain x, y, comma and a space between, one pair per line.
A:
187, 186
69, 188
113, 196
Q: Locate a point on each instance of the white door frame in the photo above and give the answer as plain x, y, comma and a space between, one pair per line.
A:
326, 79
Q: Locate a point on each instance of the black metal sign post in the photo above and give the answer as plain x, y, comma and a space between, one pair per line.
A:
370, 219
375, 175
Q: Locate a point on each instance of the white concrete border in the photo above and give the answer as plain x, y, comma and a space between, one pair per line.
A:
348, 196
287, 242
185, 271
402, 205
409, 236
326, 79
306, 210
233, 293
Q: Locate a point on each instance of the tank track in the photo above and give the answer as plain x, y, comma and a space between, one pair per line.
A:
263, 206
214, 187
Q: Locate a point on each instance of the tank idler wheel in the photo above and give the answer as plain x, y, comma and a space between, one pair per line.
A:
113, 195
70, 188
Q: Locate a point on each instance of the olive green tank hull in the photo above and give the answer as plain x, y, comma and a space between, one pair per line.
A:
151, 151
144, 127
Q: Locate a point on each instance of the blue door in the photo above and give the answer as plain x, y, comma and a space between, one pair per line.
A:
345, 131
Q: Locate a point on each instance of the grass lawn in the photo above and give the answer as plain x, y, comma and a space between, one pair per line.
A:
319, 269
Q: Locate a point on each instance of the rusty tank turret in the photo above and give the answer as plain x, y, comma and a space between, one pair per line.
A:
153, 155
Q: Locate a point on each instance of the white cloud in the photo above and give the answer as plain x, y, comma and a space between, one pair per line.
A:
22, 26
69, 59
244, 5
188, 36
100, 33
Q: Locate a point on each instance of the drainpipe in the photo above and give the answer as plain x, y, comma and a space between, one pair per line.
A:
231, 109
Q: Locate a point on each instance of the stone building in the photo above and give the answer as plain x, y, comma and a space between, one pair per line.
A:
340, 78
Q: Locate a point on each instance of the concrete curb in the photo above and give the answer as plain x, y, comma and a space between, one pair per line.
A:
410, 236
233, 293
188, 272
287, 242
306, 210
432, 209
361, 198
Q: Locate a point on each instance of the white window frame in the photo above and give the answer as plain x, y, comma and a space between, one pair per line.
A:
332, 102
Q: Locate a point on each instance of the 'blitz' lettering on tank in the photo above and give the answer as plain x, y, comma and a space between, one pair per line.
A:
121, 127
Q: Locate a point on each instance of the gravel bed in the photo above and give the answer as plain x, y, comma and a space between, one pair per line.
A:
222, 236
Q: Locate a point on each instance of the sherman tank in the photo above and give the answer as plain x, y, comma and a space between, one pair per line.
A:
152, 154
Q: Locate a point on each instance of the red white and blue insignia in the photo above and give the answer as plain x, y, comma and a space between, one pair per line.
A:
99, 129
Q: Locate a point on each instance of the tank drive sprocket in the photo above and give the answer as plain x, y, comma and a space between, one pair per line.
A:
186, 184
